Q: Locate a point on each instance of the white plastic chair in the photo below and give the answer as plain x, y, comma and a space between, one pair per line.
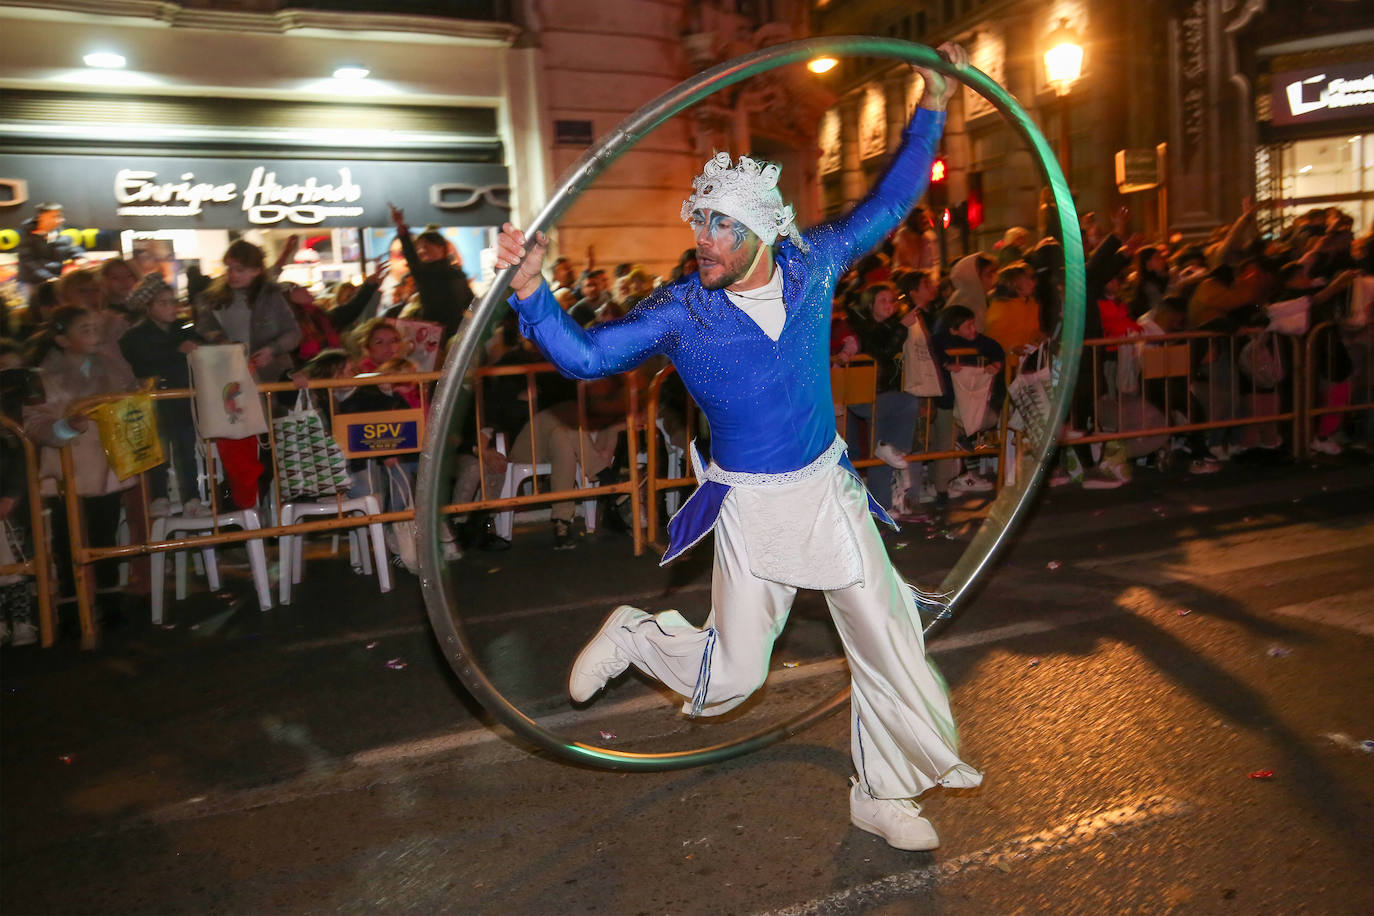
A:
165, 528
517, 473
291, 546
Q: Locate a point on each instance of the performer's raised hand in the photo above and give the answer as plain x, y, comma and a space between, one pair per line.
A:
938, 88
511, 249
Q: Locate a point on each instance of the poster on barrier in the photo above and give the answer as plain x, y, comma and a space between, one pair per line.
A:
419, 342
380, 434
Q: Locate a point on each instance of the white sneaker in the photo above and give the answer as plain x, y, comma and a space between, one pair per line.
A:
970, 482
1060, 478
192, 508
159, 508
601, 659
23, 634
1325, 446
1220, 452
928, 494
451, 551
890, 456
897, 820
1098, 479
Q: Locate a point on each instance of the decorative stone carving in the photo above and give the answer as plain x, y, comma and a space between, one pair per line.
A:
829, 142
872, 123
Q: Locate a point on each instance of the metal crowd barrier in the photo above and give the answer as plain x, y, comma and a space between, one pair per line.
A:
83, 554
1182, 375
39, 562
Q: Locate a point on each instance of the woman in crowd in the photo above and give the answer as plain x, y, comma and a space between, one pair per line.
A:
242, 306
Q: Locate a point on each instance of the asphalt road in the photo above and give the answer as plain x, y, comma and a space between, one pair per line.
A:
1141, 658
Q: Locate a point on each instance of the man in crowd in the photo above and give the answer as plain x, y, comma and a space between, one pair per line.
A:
749, 334
43, 250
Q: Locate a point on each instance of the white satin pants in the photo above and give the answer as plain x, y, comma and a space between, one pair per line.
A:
903, 737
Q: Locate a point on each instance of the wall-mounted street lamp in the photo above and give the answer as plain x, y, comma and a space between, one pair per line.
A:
1063, 58
1063, 66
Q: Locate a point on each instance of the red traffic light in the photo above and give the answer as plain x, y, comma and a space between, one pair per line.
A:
937, 171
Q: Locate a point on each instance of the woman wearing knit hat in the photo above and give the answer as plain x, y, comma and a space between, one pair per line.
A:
156, 347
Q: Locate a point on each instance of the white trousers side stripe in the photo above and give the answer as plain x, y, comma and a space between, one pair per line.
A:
903, 736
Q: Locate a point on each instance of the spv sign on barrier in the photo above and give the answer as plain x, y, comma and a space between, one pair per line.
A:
380, 434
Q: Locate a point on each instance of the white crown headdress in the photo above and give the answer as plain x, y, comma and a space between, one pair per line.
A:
747, 192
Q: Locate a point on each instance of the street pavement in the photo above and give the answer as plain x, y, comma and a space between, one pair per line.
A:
1167, 686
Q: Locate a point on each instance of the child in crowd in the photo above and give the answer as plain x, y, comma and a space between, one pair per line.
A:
959, 331
16, 592
73, 367
156, 347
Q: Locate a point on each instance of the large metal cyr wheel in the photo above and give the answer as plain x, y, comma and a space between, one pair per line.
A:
437, 580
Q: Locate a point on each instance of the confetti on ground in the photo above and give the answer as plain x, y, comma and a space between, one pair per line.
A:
396, 664
790, 664
371, 645
899, 545
608, 736
1053, 564
1034, 663
66, 758
1184, 612
1345, 741
494, 569
1279, 651
167, 626
1262, 774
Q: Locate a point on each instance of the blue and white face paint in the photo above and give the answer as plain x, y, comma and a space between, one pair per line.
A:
721, 228
726, 249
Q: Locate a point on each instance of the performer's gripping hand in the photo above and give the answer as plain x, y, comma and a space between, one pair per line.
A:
939, 89
511, 249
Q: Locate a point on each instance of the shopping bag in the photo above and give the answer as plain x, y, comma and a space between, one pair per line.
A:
1128, 368
1029, 393
226, 403
128, 433
972, 391
402, 538
920, 374
309, 461
1261, 361
1361, 302
1291, 316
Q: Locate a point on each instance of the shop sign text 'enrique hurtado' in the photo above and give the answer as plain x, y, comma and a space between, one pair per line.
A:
264, 199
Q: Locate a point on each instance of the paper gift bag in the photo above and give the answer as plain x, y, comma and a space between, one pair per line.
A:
226, 403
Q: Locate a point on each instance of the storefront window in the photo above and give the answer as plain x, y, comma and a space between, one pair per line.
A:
1329, 172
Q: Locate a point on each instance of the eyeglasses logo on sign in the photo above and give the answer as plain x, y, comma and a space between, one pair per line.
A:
1338, 93
265, 200
452, 196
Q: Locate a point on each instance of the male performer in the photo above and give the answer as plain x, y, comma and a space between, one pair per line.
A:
749, 334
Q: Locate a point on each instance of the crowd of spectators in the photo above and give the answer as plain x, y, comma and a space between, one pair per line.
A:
930, 335
936, 338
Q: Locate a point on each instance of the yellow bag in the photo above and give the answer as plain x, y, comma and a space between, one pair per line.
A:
128, 432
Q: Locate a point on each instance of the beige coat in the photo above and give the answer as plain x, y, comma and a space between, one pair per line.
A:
67, 379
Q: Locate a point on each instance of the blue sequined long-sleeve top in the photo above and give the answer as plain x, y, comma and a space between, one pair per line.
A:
768, 402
